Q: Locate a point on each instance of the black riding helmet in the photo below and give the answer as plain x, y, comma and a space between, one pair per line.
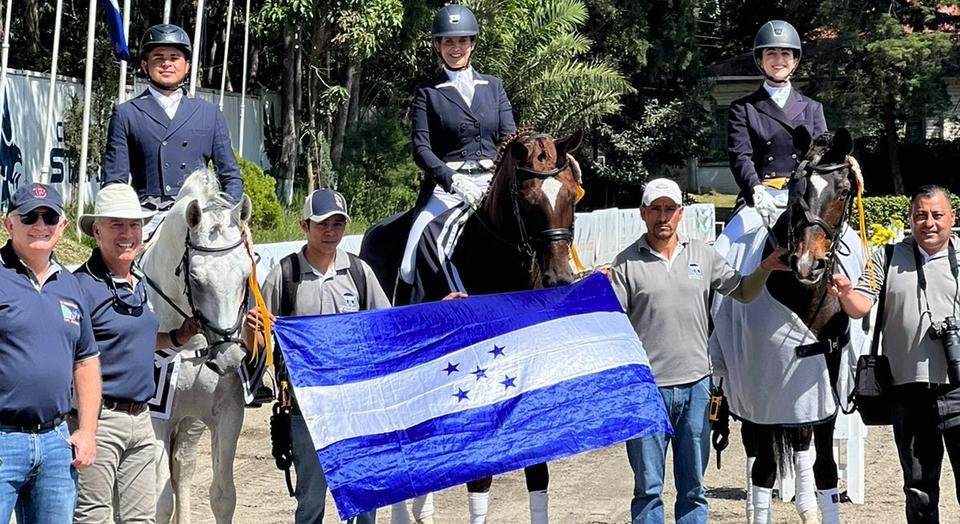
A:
454, 20
165, 35
779, 34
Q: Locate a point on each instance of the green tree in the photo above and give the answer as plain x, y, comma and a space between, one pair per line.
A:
537, 48
882, 65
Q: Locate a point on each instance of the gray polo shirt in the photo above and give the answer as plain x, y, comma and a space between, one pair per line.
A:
913, 355
668, 303
325, 294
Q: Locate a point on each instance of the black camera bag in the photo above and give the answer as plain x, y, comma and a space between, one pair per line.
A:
873, 382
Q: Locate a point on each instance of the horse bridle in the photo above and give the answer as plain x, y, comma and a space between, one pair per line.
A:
227, 336
528, 242
807, 218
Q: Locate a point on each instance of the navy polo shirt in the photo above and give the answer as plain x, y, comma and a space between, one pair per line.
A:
125, 329
44, 330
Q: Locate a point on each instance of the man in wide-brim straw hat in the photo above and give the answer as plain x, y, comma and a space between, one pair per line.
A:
125, 329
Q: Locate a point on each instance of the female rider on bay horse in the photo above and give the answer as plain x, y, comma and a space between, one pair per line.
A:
459, 118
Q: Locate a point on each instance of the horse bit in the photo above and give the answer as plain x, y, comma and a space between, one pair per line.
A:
227, 336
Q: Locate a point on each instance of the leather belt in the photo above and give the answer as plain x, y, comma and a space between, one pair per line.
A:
126, 406
474, 171
31, 428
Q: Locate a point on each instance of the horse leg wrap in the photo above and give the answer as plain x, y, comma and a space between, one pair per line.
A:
750, 461
423, 509
398, 513
478, 507
538, 507
829, 505
761, 505
806, 497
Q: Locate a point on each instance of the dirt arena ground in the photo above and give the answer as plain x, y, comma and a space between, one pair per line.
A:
591, 488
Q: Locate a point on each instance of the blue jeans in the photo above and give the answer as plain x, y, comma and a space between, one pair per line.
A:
36, 478
311, 489
687, 405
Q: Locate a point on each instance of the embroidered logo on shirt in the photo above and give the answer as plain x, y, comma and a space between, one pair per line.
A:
350, 304
695, 273
70, 312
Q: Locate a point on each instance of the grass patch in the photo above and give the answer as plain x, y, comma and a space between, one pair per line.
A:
723, 204
288, 227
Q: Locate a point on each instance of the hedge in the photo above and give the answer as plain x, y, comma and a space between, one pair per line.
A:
880, 209
261, 188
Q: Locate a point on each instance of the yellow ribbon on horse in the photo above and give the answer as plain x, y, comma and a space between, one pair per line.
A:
855, 167
258, 300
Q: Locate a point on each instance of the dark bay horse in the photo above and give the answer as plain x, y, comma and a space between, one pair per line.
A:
518, 239
781, 354
820, 195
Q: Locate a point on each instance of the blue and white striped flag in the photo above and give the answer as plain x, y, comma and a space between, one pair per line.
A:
115, 27
405, 401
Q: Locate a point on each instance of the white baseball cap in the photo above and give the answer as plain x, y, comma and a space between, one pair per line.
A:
662, 187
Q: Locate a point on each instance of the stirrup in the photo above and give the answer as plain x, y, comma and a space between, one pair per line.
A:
263, 395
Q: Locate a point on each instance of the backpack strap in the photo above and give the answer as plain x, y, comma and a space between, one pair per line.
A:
359, 278
290, 278
875, 344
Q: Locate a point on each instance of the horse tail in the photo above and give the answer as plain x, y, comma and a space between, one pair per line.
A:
784, 444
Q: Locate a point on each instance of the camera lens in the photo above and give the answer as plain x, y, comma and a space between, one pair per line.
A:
950, 336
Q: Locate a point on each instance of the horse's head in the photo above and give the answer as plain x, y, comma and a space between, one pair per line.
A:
535, 173
819, 196
217, 265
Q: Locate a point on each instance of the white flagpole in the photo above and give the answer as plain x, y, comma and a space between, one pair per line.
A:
166, 11
195, 60
243, 83
122, 88
87, 92
47, 127
3, 56
226, 53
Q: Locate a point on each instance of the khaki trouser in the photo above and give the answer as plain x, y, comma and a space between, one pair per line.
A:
122, 481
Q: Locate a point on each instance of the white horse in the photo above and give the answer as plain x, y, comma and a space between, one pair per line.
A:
199, 265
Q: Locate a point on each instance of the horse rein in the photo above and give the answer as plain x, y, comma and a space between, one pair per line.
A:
546, 236
227, 336
805, 171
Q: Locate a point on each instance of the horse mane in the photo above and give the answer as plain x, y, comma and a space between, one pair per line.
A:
203, 186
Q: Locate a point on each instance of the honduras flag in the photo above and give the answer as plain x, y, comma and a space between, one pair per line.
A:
115, 27
405, 401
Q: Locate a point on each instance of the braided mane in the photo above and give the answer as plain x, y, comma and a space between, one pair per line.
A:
511, 138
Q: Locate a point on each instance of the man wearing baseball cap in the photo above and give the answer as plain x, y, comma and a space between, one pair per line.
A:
46, 345
320, 279
125, 330
663, 282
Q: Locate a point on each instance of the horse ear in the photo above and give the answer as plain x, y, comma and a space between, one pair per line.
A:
243, 210
843, 141
518, 151
569, 144
802, 139
193, 213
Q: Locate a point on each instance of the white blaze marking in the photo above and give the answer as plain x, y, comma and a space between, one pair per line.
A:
551, 188
819, 184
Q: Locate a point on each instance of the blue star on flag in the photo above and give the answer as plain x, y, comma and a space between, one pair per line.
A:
461, 395
451, 368
496, 351
508, 383
480, 373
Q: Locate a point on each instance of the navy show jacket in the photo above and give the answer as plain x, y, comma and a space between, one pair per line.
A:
446, 130
157, 153
760, 136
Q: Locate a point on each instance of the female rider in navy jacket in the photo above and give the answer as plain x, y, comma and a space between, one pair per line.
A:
459, 119
760, 131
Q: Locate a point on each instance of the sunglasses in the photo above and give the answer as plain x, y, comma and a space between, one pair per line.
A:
49, 218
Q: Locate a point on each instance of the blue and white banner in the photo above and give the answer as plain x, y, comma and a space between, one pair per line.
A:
115, 27
405, 401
